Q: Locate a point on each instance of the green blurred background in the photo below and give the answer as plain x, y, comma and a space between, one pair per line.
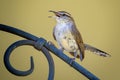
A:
97, 20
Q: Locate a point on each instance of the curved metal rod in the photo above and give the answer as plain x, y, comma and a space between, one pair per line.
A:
7, 57
18, 32
51, 63
51, 48
74, 64
24, 73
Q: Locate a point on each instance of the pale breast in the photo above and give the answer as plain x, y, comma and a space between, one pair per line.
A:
65, 38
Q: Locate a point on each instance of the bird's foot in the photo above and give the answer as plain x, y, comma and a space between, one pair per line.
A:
71, 60
61, 50
51, 43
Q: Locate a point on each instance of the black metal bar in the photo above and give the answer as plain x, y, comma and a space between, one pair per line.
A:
7, 56
18, 32
25, 73
74, 64
53, 49
51, 63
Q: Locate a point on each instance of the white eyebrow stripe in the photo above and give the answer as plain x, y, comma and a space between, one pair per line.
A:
64, 12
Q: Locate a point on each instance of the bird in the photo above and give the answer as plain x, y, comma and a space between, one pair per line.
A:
69, 38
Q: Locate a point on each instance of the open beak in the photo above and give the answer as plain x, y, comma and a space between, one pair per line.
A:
56, 13
52, 11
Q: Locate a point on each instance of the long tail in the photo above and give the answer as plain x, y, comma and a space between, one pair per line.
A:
96, 51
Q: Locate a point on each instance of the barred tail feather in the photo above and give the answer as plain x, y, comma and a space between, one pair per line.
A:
96, 51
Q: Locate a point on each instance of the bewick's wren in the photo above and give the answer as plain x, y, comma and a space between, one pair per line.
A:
69, 38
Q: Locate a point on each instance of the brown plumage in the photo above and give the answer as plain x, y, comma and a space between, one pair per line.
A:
69, 38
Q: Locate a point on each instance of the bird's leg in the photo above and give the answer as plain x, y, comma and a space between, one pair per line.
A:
73, 59
51, 43
60, 47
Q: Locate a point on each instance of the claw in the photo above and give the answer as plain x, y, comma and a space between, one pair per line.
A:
51, 43
61, 49
71, 60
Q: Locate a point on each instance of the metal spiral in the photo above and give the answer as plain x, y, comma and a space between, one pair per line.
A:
42, 45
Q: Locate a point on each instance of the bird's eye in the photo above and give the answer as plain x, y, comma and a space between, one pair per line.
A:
63, 14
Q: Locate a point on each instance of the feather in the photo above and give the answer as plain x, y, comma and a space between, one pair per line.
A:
96, 51
54, 33
78, 40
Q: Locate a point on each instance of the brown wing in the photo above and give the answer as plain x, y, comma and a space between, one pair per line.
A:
79, 41
54, 33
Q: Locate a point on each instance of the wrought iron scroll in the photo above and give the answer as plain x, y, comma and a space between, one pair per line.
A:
42, 45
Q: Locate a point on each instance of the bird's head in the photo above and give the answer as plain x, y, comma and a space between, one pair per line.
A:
62, 16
